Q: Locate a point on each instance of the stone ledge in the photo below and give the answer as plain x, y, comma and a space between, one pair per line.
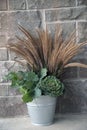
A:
62, 122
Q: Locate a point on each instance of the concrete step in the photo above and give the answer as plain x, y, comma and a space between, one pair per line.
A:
62, 122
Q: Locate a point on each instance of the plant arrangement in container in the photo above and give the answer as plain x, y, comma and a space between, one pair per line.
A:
46, 59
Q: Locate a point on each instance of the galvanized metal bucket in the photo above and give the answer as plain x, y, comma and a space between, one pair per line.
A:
42, 110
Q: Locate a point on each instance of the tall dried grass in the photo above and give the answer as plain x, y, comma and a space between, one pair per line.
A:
42, 52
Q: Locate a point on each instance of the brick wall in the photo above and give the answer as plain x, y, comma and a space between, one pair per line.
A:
71, 14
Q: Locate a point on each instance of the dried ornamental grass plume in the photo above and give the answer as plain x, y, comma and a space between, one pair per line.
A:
45, 52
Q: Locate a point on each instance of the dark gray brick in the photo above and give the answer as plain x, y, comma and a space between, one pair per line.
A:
12, 106
29, 19
66, 14
81, 2
82, 37
74, 99
83, 71
83, 53
3, 5
70, 73
42, 4
3, 55
59, 14
67, 28
3, 90
82, 31
17, 4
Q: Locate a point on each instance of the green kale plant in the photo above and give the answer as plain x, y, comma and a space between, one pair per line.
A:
51, 86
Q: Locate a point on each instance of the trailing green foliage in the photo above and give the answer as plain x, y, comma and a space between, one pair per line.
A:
26, 82
33, 85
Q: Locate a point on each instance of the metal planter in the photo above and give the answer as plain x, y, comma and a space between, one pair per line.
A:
42, 110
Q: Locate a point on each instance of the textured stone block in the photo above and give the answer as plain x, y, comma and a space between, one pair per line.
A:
74, 99
14, 66
82, 37
67, 28
3, 90
42, 4
3, 71
70, 73
12, 106
3, 22
83, 71
66, 14
17, 4
3, 5
13, 91
3, 55
2, 40
83, 53
81, 2
7, 66
14, 56
29, 19
82, 31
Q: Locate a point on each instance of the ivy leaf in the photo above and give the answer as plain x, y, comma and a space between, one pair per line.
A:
22, 90
11, 75
20, 75
28, 84
37, 92
31, 76
43, 73
27, 98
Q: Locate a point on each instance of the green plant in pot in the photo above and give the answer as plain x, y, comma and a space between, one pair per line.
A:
46, 58
33, 85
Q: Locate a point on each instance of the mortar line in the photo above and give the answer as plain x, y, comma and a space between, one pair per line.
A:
5, 84
84, 6
75, 79
8, 96
26, 5
66, 21
76, 3
77, 31
43, 20
10, 61
9, 55
8, 5
46, 9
